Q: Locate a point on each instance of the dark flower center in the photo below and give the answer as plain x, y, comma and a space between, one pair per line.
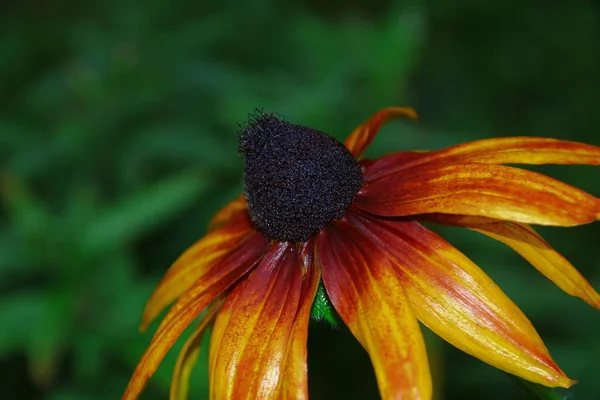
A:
297, 179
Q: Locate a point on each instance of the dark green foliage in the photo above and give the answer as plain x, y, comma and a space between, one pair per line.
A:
118, 142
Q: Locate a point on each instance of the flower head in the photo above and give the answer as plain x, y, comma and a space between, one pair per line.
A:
314, 210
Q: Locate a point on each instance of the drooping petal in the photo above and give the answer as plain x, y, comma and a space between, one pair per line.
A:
253, 329
211, 284
238, 208
196, 262
510, 150
361, 137
189, 355
525, 241
493, 191
294, 382
460, 303
367, 293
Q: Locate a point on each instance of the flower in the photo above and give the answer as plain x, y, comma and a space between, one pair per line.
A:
315, 210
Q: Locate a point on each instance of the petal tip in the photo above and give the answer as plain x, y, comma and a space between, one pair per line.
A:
567, 382
408, 112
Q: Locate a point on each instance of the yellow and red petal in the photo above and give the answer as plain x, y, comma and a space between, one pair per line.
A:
510, 150
493, 191
367, 293
361, 137
294, 382
525, 241
189, 354
253, 329
196, 262
237, 208
459, 302
211, 284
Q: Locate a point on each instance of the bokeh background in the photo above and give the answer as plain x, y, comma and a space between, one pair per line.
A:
118, 142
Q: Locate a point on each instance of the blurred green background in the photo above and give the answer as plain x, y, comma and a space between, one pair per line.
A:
118, 142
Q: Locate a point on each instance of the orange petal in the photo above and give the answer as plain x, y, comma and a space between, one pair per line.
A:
196, 262
238, 208
253, 329
510, 150
493, 191
459, 302
361, 137
190, 305
189, 355
367, 293
525, 241
294, 382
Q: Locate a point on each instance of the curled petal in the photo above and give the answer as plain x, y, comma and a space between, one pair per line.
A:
189, 355
196, 262
214, 281
253, 329
237, 208
459, 302
367, 293
510, 150
525, 241
294, 382
493, 191
361, 137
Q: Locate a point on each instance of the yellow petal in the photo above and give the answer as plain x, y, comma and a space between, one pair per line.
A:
460, 303
253, 329
493, 191
191, 304
361, 137
180, 383
509, 150
368, 295
525, 241
196, 262
294, 382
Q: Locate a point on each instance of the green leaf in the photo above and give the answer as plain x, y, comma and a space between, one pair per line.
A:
322, 309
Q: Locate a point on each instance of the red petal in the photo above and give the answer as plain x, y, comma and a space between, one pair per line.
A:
510, 150
367, 294
361, 137
493, 191
294, 382
253, 329
459, 302
231, 268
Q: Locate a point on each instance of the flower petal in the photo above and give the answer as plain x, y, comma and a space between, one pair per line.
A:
232, 211
189, 355
294, 382
361, 137
493, 191
366, 292
253, 329
460, 303
525, 241
217, 279
509, 150
196, 262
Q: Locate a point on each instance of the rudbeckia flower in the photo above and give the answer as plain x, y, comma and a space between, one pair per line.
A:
315, 210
